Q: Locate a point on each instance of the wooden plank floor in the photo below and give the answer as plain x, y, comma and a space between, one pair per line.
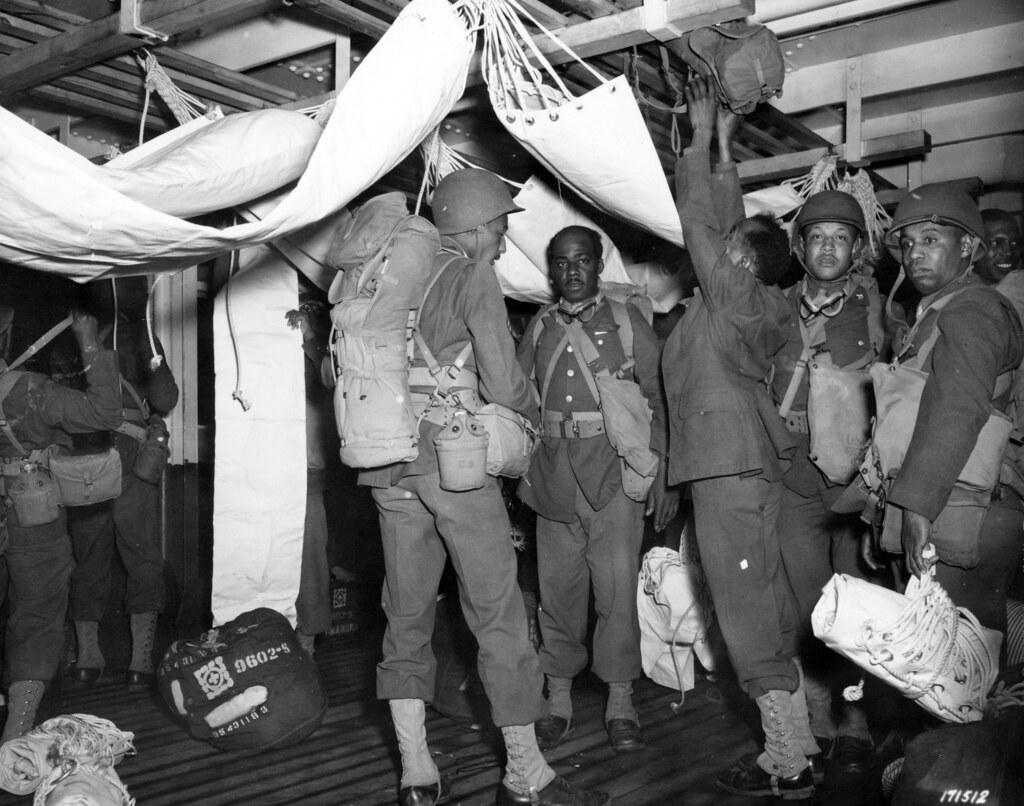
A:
352, 759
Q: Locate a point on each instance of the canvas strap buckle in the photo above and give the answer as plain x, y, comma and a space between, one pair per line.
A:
797, 423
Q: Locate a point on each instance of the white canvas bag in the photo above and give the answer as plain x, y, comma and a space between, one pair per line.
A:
673, 625
929, 650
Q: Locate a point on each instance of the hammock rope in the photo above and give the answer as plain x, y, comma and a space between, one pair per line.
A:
514, 65
183, 106
932, 645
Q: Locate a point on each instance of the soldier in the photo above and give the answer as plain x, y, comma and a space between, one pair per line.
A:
588, 529
727, 440
130, 522
36, 413
1002, 236
422, 524
966, 337
837, 313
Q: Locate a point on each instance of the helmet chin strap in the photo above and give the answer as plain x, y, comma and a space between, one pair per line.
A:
973, 249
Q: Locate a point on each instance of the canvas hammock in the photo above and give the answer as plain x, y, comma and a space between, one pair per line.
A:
59, 214
597, 143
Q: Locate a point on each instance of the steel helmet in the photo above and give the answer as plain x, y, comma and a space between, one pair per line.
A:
468, 197
941, 203
834, 206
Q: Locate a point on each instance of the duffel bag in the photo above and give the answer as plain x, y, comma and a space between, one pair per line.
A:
246, 685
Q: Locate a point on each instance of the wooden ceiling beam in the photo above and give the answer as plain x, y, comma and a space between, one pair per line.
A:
958, 57
614, 32
193, 70
95, 107
775, 118
877, 149
344, 14
100, 40
189, 71
627, 28
592, 8
210, 82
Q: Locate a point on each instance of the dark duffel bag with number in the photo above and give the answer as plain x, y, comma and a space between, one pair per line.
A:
246, 685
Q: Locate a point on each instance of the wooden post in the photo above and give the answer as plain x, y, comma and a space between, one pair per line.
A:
854, 148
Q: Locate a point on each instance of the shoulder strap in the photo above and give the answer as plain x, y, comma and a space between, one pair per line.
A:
384, 253
538, 326
436, 370
625, 325
929, 343
7, 381
585, 350
876, 328
42, 341
586, 353
545, 315
133, 393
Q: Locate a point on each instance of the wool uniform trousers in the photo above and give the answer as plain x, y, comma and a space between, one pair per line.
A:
736, 520
39, 569
816, 543
131, 522
313, 603
599, 548
421, 525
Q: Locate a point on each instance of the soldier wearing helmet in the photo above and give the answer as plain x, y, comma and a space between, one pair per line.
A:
966, 339
423, 524
837, 317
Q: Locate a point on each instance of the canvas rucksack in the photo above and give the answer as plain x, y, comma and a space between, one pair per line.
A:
384, 257
744, 60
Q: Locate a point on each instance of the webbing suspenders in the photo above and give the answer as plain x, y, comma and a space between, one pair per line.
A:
133, 430
7, 381
8, 376
586, 352
437, 372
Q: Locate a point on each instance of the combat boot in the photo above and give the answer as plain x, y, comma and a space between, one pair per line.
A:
782, 770
23, 700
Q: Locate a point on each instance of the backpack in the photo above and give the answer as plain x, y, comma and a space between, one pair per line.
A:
744, 60
384, 257
247, 685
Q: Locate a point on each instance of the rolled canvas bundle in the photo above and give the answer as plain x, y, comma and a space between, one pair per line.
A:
929, 650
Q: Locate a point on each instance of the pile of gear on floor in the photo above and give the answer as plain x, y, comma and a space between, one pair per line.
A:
68, 760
